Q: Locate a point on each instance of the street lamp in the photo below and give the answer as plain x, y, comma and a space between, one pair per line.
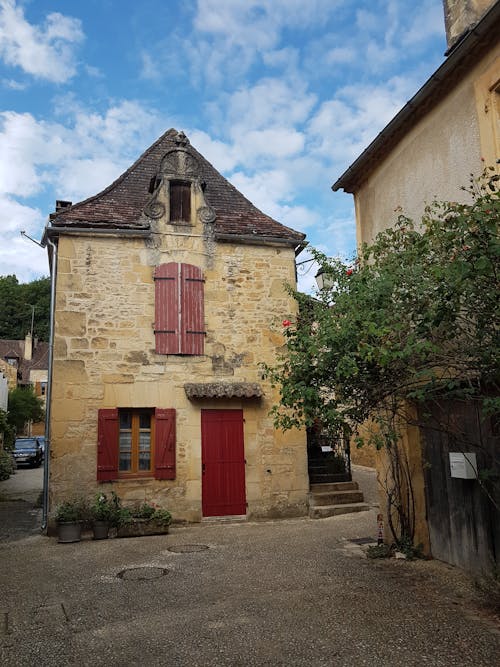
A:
322, 280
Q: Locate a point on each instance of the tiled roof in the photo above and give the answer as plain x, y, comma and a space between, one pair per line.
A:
121, 205
15, 348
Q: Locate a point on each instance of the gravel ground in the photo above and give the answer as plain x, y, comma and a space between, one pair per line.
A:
294, 592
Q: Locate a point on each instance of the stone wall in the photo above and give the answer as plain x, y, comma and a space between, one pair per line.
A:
104, 357
460, 15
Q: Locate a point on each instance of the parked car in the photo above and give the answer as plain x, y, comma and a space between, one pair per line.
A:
41, 442
28, 451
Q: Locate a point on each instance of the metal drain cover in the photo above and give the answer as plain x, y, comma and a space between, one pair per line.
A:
363, 540
142, 573
187, 548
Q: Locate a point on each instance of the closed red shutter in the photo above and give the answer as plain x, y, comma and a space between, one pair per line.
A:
164, 443
167, 315
192, 309
180, 201
107, 445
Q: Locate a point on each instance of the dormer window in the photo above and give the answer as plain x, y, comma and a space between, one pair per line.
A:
180, 201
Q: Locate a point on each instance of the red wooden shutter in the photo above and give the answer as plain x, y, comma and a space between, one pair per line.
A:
167, 316
107, 445
164, 443
180, 201
192, 309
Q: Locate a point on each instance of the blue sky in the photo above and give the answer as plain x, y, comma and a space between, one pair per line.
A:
280, 95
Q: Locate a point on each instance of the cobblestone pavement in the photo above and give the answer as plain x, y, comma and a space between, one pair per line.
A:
294, 592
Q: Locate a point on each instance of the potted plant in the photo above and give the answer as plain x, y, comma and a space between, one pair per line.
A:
69, 517
104, 513
145, 519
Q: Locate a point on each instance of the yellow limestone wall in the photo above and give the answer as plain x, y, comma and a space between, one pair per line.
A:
104, 358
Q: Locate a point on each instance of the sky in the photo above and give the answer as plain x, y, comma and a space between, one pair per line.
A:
279, 95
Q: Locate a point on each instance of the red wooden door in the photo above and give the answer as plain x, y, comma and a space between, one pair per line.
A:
223, 463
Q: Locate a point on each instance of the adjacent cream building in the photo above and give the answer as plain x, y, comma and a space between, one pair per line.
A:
449, 130
170, 293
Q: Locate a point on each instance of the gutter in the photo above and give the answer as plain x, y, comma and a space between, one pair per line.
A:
46, 458
255, 240
420, 103
93, 231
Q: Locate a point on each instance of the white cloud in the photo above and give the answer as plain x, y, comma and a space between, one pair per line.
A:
340, 55
23, 258
18, 255
13, 85
78, 158
46, 51
345, 125
221, 155
15, 217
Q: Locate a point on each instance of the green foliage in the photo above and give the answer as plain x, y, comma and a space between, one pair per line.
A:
24, 406
379, 551
405, 545
6, 465
74, 510
414, 319
16, 301
106, 509
8, 431
148, 511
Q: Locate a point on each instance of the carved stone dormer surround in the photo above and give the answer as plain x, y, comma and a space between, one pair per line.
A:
178, 164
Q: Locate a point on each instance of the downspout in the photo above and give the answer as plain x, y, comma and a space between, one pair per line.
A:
46, 460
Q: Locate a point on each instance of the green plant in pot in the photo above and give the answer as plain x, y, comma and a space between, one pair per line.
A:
144, 519
69, 516
105, 512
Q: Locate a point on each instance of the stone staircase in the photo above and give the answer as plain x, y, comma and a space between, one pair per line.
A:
334, 498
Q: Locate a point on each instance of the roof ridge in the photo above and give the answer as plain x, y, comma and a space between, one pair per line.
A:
120, 178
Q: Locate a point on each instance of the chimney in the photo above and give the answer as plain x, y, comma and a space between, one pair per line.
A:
28, 347
61, 204
462, 15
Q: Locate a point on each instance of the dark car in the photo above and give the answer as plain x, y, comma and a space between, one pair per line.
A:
41, 442
28, 451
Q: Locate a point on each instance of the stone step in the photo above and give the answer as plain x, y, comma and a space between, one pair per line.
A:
335, 498
335, 510
325, 478
334, 486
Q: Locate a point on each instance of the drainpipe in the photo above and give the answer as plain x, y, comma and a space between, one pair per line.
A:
46, 460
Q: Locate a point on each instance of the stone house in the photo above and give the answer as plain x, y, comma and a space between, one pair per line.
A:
448, 130
24, 363
169, 293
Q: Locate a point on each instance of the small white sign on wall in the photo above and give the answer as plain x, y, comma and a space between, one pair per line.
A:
463, 466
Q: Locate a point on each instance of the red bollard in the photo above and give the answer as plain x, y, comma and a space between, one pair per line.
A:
380, 536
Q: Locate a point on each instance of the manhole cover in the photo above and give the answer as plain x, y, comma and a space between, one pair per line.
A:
142, 573
187, 548
363, 540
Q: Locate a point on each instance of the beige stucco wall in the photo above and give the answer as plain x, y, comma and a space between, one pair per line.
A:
433, 161
104, 358
435, 158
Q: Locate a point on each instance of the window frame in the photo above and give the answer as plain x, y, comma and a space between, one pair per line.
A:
135, 442
163, 448
179, 201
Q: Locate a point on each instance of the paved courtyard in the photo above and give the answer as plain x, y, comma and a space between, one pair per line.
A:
294, 592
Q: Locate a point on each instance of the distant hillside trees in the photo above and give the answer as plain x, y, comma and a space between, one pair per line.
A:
16, 302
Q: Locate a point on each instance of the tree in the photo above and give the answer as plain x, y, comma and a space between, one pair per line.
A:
24, 406
415, 319
19, 302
